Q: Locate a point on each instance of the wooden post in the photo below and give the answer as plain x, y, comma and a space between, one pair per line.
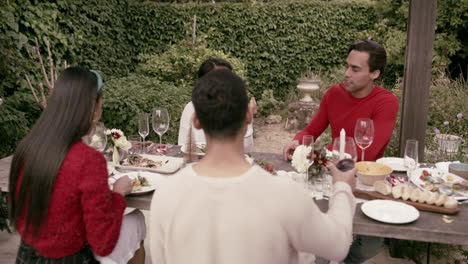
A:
418, 69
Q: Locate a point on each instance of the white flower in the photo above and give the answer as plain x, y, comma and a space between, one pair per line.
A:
299, 160
123, 143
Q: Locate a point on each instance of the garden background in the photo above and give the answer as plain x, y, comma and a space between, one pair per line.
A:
148, 55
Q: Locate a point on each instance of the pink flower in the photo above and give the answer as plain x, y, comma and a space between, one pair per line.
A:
437, 131
460, 115
446, 123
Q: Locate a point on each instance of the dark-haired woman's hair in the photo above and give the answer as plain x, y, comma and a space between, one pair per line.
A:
211, 63
377, 54
220, 101
39, 155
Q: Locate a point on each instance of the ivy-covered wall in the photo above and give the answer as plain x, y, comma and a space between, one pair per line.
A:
277, 41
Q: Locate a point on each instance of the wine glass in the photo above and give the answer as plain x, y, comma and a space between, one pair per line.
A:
160, 122
143, 127
97, 138
349, 149
364, 134
411, 155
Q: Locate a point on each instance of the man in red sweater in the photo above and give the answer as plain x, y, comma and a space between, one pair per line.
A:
342, 104
357, 97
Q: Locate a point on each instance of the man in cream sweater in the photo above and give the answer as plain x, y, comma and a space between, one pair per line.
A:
224, 210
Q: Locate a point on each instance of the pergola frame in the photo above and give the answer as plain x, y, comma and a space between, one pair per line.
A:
417, 72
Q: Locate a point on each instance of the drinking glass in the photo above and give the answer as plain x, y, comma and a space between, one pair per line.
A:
135, 140
97, 138
350, 151
160, 122
143, 126
411, 155
308, 140
364, 134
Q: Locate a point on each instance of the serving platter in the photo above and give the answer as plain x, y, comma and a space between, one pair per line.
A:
151, 163
447, 181
397, 164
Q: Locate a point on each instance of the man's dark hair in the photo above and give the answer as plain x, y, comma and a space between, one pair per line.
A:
220, 100
377, 54
211, 63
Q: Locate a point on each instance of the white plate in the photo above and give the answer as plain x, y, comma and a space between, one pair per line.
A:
184, 149
416, 174
154, 180
397, 164
168, 164
391, 212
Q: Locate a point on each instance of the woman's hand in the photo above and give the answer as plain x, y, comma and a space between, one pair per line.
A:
123, 185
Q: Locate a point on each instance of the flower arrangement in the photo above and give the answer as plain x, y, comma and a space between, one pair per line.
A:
118, 141
314, 162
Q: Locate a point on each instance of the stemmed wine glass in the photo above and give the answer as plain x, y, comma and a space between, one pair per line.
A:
143, 127
350, 151
411, 155
160, 122
364, 134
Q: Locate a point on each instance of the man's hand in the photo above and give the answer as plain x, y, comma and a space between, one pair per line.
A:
123, 185
288, 150
347, 176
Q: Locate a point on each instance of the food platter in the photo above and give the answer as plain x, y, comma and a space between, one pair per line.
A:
143, 182
152, 163
390, 212
200, 149
443, 182
397, 164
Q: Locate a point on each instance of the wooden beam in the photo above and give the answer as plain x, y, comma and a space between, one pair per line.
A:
417, 74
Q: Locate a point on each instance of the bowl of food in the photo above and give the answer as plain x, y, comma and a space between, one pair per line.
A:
370, 171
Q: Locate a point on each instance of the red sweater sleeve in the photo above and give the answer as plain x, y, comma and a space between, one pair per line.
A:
319, 122
384, 118
102, 209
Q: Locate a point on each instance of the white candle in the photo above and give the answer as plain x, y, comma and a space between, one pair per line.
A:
342, 143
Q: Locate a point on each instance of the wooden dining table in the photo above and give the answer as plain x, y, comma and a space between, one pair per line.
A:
429, 227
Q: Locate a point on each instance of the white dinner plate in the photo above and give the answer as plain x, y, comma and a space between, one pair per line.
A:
390, 212
184, 149
449, 178
168, 164
153, 179
397, 164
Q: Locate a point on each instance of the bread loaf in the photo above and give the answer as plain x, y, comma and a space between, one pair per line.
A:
382, 187
441, 200
415, 195
405, 195
433, 196
397, 191
450, 203
424, 196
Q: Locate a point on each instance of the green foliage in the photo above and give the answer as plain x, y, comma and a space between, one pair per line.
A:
125, 97
17, 114
180, 63
276, 41
390, 30
20, 23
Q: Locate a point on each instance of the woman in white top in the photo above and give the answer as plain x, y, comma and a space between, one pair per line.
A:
198, 136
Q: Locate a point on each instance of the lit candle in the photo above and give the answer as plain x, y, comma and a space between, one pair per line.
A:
342, 143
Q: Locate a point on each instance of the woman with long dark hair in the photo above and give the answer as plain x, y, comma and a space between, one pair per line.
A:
59, 198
